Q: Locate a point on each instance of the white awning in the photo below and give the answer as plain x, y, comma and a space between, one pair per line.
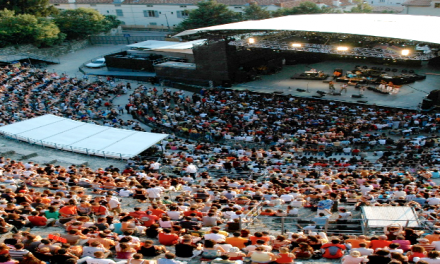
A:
169, 45
66, 134
407, 27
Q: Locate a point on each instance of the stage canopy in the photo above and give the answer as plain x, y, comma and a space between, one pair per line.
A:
407, 27
377, 216
66, 134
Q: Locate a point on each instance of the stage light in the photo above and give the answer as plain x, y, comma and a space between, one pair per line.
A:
296, 45
405, 52
342, 48
251, 40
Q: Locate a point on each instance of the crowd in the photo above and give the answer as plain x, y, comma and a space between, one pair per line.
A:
178, 209
27, 92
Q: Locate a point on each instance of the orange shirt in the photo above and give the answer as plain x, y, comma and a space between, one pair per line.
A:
68, 210
355, 242
237, 241
432, 237
379, 244
254, 239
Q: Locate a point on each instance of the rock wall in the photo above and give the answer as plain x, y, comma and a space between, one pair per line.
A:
52, 52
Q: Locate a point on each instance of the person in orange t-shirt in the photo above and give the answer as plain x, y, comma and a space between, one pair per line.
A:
237, 241
381, 243
68, 210
259, 236
356, 241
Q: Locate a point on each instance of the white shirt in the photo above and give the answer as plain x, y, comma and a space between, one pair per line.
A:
154, 192
215, 237
99, 261
113, 203
286, 197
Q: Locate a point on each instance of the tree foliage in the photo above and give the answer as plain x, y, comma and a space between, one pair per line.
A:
302, 8
362, 7
39, 8
82, 22
255, 12
208, 13
27, 29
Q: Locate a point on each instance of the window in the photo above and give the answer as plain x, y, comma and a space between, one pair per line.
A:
436, 5
151, 13
182, 6
183, 14
119, 12
153, 24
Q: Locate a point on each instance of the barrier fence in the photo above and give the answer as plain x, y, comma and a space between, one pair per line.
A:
354, 226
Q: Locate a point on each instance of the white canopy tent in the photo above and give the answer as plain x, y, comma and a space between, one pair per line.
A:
407, 27
168, 45
66, 134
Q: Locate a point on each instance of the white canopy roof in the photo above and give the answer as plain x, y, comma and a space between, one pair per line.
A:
169, 45
66, 134
381, 25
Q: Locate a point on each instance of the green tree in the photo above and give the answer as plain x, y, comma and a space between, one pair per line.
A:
39, 8
82, 22
362, 7
27, 29
303, 8
112, 21
254, 12
208, 13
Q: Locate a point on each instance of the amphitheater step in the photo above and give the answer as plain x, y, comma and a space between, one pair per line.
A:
26, 154
44, 160
71, 161
7, 151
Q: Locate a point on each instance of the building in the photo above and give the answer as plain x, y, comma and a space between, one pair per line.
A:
422, 7
166, 14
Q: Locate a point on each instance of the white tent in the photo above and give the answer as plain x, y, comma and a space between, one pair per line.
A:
66, 134
409, 27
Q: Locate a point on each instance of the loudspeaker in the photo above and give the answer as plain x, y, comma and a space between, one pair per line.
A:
300, 90
321, 92
427, 103
362, 101
226, 84
336, 93
357, 96
317, 96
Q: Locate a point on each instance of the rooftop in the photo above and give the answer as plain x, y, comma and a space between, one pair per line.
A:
417, 3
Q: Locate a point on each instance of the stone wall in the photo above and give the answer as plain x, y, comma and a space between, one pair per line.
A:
66, 47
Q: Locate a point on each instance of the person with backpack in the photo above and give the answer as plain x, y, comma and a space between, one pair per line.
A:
333, 250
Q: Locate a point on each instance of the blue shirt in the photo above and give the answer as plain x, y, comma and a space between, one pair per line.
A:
325, 204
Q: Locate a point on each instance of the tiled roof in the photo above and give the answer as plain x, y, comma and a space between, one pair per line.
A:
417, 3
290, 4
379, 9
59, 1
281, 3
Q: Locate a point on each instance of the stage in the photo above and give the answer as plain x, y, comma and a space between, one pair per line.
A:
408, 97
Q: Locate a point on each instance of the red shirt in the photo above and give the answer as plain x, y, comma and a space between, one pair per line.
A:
37, 220
151, 220
188, 213
168, 239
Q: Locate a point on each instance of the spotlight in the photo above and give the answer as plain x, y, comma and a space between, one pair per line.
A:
251, 40
405, 52
342, 48
296, 45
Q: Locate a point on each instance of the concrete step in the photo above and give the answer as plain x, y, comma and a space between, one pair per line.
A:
26, 154
44, 160
7, 151
72, 161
